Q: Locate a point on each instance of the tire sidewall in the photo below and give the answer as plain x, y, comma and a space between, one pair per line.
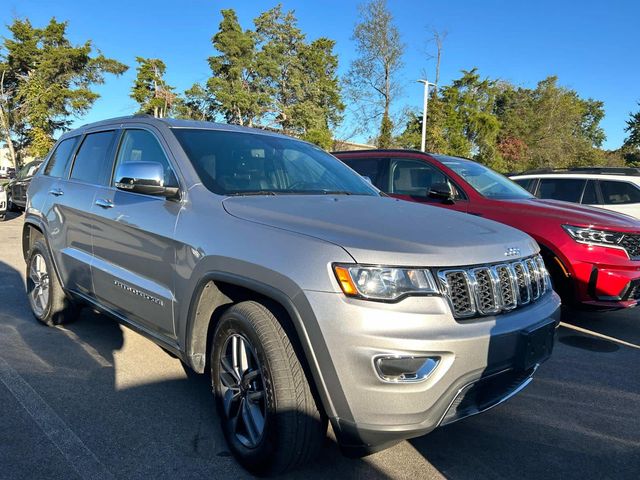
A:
253, 459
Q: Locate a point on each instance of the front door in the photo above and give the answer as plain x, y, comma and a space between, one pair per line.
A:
133, 242
413, 179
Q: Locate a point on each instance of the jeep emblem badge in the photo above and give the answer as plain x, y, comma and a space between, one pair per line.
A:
512, 252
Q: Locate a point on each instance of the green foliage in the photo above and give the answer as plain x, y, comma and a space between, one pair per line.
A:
385, 139
272, 76
196, 104
633, 128
44, 82
236, 86
150, 90
511, 128
372, 82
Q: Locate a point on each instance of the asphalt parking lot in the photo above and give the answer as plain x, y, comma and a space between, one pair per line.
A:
96, 400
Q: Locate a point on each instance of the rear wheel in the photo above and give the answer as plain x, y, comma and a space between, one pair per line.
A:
11, 207
269, 416
48, 301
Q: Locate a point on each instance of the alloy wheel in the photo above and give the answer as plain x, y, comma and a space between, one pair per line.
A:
38, 284
243, 394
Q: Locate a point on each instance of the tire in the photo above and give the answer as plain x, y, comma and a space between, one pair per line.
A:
11, 207
47, 300
294, 429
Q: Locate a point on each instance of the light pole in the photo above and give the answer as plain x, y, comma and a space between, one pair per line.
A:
425, 105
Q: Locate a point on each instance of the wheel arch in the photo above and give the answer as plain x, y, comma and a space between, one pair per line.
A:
216, 291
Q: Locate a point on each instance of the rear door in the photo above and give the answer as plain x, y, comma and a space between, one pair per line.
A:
621, 196
69, 214
565, 189
134, 248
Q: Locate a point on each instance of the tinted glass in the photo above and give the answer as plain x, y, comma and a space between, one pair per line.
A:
566, 189
236, 163
411, 177
590, 197
93, 161
528, 184
59, 160
485, 181
142, 146
374, 168
617, 193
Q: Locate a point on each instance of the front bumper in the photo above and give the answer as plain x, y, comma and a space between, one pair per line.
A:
611, 281
477, 363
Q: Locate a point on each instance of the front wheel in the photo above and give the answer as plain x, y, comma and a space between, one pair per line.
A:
269, 416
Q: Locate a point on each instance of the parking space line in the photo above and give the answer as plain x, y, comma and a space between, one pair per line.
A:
78, 455
599, 335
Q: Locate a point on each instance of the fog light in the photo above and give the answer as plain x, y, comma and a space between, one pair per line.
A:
398, 369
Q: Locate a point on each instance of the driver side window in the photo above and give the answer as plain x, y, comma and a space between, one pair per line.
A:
415, 178
142, 146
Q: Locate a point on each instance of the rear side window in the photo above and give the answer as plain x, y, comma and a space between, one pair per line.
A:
94, 159
374, 168
528, 184
59, 160
619, 193
565, 189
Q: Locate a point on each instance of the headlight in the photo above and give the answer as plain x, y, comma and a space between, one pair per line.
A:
384, 283
591, 236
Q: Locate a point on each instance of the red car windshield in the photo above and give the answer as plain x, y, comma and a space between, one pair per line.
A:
485, 181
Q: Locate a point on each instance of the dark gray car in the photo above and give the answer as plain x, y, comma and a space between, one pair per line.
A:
306, 294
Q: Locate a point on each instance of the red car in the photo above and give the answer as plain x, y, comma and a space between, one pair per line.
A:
593, 255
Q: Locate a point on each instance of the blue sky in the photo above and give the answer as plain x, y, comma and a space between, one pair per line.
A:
592, 46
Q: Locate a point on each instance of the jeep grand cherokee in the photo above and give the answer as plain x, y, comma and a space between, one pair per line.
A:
306, 294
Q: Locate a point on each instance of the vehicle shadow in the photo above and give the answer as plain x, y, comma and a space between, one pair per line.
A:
128, 401
579, 418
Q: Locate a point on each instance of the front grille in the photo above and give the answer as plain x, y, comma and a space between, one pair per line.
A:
631, 243
491, 289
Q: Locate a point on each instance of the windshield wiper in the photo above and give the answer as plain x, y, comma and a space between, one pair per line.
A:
252, 192
336, 192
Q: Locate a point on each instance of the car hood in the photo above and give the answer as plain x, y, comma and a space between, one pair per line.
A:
572, 213
383, 230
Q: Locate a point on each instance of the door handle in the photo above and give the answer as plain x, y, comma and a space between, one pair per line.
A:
104, 203
57, 192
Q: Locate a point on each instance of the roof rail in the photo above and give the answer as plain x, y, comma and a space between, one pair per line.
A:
627, 171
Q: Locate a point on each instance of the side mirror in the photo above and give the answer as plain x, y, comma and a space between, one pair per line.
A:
144, 177
368, 179
441, 191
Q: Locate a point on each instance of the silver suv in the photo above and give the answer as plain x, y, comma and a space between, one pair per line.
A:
307, 294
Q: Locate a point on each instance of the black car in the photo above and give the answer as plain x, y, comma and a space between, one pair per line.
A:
17, 188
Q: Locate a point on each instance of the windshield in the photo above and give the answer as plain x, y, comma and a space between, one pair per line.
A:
238, 163
485, 181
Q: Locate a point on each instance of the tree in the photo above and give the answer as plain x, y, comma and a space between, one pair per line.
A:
301, 78
236, 85
197, 103
150, 90
372, 79
552, 125
44, 82
633, 128
438, 39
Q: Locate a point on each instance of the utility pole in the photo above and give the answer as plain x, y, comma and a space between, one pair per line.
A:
425, 106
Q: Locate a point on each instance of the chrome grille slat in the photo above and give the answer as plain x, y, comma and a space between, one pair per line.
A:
491, 289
